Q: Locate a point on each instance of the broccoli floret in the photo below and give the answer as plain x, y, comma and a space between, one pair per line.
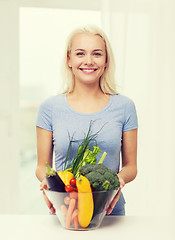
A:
109, 176
101, 168
86, 169
100, 177
96, 180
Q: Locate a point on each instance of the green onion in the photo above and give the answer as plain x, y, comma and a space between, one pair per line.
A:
77, 162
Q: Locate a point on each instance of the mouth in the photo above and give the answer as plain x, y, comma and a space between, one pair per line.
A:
88, 70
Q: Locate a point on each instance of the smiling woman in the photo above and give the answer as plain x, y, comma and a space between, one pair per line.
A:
90, 96
87, 58
89, 46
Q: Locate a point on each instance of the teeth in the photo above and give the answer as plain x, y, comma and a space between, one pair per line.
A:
88, 70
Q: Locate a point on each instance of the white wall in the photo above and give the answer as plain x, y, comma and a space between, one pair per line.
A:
143, 36
9, 108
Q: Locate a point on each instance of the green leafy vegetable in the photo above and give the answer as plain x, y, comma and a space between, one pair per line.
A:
90, 156
100, 177
83, 155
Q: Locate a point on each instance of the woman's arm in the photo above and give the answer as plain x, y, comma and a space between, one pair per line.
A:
129, 163
129, 156
44, 151
45, 154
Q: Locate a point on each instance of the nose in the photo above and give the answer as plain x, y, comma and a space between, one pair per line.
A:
88, 59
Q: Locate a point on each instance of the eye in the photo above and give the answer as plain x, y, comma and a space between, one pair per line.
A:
80, 54
97, 54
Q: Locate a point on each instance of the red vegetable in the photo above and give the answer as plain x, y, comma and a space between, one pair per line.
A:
73, 195
64, 209
73, 182
76, 222
70, 211
67, 200
69, 188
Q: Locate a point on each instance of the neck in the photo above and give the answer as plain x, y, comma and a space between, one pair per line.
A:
87, 91
87, 99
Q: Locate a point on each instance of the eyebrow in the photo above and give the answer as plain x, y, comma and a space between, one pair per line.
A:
93, 50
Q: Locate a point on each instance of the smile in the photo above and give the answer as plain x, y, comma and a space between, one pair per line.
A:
88, 70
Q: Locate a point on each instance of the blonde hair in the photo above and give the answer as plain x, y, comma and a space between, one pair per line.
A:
107, 80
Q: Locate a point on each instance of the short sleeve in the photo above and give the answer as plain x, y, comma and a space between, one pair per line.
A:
44, 118
130, 121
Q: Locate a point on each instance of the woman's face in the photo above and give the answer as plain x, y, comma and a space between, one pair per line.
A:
87, 58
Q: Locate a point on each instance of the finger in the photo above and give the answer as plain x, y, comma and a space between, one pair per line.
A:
122, 184
49, 204
109, 210
43, 186
116, 198
52, 210
113, 203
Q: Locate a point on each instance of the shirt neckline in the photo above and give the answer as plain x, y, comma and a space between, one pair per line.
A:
87, 114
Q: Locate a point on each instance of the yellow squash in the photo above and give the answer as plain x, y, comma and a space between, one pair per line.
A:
65, 176
85, 202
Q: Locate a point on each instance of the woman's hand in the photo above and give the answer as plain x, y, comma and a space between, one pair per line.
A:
48, 202
116, 198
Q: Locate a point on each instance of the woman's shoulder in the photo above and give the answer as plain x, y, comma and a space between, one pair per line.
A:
121, 99
52, 100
